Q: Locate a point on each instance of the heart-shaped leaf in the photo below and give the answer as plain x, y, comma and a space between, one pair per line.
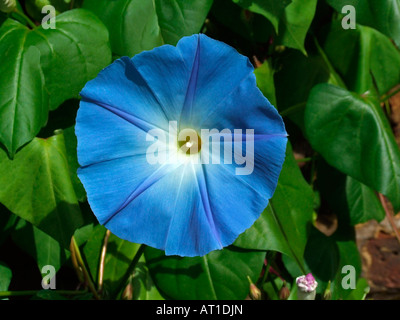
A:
43, 248
296, 77
370, 58
221, 274
270, 9
137, 25
353, 135
142, 283
295, 22
41, 68
381, 15
352, 201
179, 18
37, 186
24, 100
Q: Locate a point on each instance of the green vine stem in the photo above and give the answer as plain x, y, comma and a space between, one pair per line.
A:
86, 275
390, 94
5, 294
269, 257
102, 261
25, 17
389, 215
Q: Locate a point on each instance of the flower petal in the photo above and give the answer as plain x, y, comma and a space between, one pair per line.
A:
167, 73
245, 108
116, 137
236, 201
216, 71
109, 184
175, 221
188, 209
122, 87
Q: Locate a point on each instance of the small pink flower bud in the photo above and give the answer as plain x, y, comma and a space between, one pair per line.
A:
284, 293
128, 292
306, 286
255, 293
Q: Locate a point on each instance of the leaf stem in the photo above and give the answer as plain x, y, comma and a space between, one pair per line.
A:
75, 264
33, 292
387, 108
389, 215
269, 258
335, 78
390, 94
102, 260
304, 159
86, 275
292, 109
25, 17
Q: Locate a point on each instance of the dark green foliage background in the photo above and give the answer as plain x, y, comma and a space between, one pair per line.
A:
330, 85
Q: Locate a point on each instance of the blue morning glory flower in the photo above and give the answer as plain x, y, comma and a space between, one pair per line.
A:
178, 147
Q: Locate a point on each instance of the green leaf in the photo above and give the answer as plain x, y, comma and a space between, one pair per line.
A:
296, 77
8, 221
41, 68
143, 284
248, 25
92, 250
72, 54
295, 22
270, 9
34, 7
381, 15
360, 292
352, 201
353, 135
71, 144
132, 24
221, 274
349, 256
36, 186
363, 203
179, 18
83, 234
5, 276
370, 58
321, 256
120, 254
138, 25
284, 223
324, 258
117, 260
24, 105
43, 248
265, 81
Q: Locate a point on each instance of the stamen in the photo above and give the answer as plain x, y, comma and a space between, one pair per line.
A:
189, 142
